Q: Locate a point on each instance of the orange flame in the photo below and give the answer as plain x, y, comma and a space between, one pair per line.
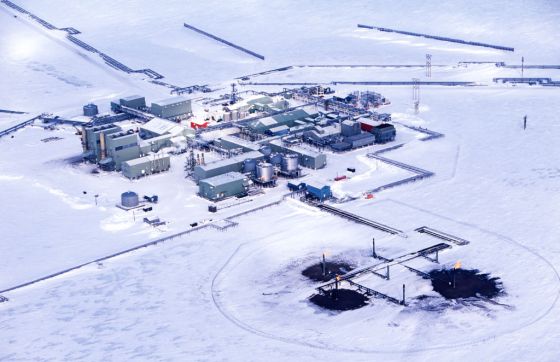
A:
457, 265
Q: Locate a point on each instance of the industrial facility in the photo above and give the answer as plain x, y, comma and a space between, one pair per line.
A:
259, 140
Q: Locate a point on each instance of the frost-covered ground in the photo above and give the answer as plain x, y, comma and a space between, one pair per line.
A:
238, 294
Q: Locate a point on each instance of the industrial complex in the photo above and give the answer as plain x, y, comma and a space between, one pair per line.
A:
268, 136
289, 184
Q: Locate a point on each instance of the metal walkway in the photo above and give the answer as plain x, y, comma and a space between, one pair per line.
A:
18, 126
359, 219
419, 173
70, 36
436, 37
221, 40
386, 263
381, 83
432, 135
11, 112
443, 236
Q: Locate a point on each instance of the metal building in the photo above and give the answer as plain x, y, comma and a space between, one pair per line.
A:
93, 141
223, 186
134, 101
385, 132
307, 158
350, 128
233, 164
120, 147
171, 107
231, 142
145, 166
91, 110
360, 140
288, 119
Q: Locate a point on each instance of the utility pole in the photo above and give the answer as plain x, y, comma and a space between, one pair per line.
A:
373, 253
522, 65
416, 94
429, 65
525, 122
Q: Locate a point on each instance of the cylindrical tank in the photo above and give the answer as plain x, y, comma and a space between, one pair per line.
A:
290, 163
265, 150
129, 199
265, 171
249, 165
275, 159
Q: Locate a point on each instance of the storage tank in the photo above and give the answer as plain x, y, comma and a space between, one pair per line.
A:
265, 171
265, 150
290, 163
90, 110
249, 165
129, 199
275, 159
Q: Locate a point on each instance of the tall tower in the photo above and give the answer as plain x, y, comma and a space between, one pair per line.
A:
233, 97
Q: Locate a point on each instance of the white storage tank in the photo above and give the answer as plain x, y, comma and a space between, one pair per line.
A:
265, 172
290, 163
129, 199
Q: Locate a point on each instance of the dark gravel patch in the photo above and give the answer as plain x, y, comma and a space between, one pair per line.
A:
341, 300
465, 283
315, 271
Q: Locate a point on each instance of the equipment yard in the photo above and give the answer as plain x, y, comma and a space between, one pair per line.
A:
312, 187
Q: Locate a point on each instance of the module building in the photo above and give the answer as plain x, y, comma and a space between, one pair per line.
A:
145, 166
120, 147
385, 132
307, 158
171, 107
233, 164
223, 186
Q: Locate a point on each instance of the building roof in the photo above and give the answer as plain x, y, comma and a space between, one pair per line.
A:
241, 142
170, 101
279, 128
162, 126
224, 179
144, 160
367, 121
385, 125
132, 97
261, 100
268, 121
348, 122
232, 160
291, 116
121, 134
296, 149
